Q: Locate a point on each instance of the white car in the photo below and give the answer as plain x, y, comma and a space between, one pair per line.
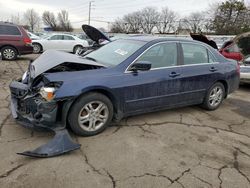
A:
62, 42
33, 36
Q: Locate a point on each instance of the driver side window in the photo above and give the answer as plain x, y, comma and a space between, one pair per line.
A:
161, 55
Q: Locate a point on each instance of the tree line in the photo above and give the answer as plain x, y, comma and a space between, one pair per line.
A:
229, 17
32, 20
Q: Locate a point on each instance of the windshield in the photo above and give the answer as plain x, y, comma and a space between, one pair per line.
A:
115, 52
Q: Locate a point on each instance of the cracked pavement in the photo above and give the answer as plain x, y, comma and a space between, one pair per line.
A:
180, 148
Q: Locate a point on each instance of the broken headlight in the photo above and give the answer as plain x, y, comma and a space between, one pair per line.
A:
48, 93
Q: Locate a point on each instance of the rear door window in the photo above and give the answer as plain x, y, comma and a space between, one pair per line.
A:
195, 54
56, 37
66, 37
9, 30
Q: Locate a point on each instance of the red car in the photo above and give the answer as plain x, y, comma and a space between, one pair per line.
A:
14, 41
229, 49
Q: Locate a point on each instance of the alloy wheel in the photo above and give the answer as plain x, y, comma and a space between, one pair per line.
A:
93, 116
215, 96
36, 48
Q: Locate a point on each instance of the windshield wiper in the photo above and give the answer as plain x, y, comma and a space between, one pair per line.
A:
91, 58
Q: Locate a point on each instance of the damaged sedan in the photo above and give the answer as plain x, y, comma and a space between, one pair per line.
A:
123, 78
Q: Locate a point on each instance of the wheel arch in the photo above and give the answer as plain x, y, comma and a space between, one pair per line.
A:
38, 44
6, 45
225, 84
104, 91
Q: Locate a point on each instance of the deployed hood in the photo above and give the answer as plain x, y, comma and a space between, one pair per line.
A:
52, 58
94, 34
203, 38
243, 41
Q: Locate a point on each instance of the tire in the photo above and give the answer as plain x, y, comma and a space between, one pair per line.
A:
9, 53
37, 48
84, 117
214, 97
77, 48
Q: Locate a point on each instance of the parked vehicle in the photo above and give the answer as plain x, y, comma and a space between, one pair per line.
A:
99, 39
63, 42
229, 49
123, 78
33, 36
245, 71
14, 41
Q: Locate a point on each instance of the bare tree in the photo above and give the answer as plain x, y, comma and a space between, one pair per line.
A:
15, 19
32, 19
134, 21
166, 21
194, 22
119, 26
149, 16
50, 20
64, 23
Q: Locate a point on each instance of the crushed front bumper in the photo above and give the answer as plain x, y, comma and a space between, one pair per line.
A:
33, 112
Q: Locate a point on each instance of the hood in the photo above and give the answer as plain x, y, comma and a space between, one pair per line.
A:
52, 58
94, 34
204, 39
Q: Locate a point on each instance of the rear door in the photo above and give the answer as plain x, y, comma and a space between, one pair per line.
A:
55, 42
10, 34
68, 43
198, 72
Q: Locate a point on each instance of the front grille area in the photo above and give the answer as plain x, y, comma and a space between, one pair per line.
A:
27, 106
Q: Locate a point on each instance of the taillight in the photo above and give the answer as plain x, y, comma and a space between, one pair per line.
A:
27, 41
238, 67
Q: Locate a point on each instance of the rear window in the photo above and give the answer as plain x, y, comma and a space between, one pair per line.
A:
9, 30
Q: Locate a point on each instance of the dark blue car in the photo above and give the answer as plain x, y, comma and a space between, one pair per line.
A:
123, 78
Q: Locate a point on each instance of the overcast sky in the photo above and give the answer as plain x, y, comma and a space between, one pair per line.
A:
103, 10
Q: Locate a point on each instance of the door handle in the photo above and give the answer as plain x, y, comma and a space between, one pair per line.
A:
174, 74
213, 69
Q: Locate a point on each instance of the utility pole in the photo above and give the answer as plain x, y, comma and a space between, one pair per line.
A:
90, 6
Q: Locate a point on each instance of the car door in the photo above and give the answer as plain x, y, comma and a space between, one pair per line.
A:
68, 43
198, 72
157, 88
55, 42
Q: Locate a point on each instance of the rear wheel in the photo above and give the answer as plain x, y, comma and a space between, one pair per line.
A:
90, 114
37, 48
214, 97
77, 49
9, 53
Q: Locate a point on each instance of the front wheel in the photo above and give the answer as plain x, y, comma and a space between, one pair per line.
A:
90, 114
214, 97
77, 49
9, 53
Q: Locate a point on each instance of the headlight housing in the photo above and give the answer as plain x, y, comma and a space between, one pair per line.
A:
48, 93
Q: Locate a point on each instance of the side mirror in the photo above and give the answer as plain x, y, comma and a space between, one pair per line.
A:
140, 66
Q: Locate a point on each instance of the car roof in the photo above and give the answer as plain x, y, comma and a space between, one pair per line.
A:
159, 39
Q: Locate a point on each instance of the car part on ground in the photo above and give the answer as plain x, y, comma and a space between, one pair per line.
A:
14, 41
123, 78
60, 144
